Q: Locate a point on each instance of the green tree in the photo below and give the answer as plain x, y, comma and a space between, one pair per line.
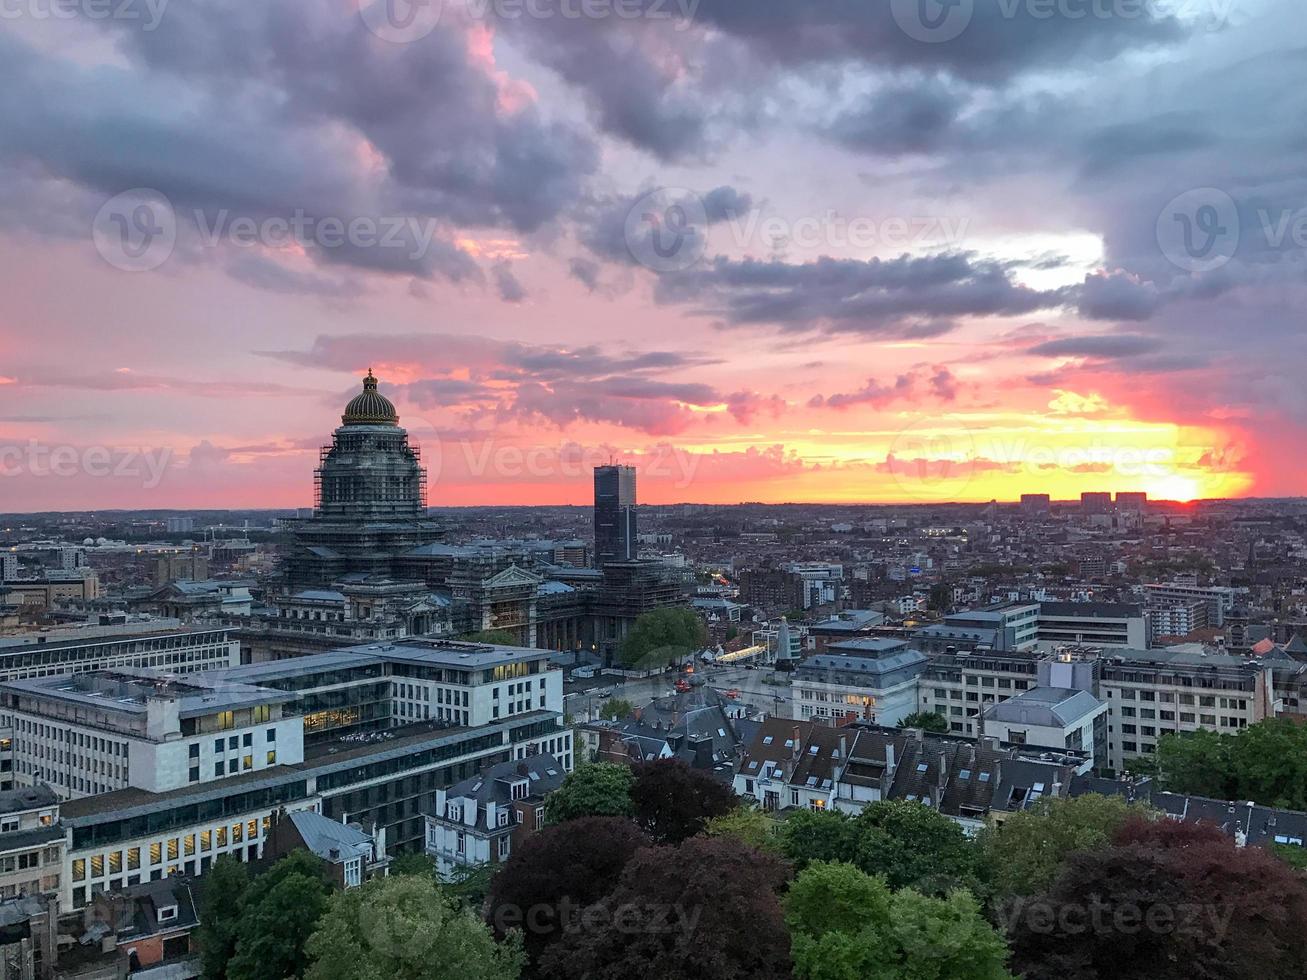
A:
661, 637
222, 892
413, 863
1027, 850
827, 835
404, 928
1197, 762
280, 912
496, 637
913, 844
599, 789
931, 721
848, 925
1266, 762
750, 826
616, 708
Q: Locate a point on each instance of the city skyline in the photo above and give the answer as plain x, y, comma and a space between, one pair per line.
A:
1042, 253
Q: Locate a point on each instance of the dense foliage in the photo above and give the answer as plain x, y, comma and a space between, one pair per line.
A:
1167, 901
598, 789
1266, 762
662, 637
657, 871
404, 928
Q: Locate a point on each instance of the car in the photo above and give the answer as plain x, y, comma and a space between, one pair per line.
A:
604, 694
733, 692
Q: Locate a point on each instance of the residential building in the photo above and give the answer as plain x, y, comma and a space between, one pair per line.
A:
481, 819
31, 842
350, 855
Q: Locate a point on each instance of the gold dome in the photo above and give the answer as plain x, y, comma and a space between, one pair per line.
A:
370, 407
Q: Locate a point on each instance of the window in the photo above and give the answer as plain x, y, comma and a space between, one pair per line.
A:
272, 757
133, 859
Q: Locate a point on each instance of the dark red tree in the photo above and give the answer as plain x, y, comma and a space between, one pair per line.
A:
1167, 901
707, 908
547, 881
673, 802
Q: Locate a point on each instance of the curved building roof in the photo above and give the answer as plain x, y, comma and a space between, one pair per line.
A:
370, 407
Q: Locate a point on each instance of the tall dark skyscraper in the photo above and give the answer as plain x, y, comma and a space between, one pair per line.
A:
614, 514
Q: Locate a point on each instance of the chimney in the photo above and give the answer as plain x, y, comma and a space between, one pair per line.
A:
797, 742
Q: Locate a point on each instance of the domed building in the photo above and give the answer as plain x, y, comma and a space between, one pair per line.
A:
370, 499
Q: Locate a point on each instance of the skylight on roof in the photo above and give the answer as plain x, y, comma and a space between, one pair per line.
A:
984, 777
922, 767
964, 774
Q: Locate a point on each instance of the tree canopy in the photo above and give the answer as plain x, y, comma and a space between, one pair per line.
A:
1167, 901
557, 872
404, 928
931, 721
908, 843
705, 908
1266, 762
661, 637
280, 911
848, 925
598, 789
671, 801
1027, 850
222, 893
749, 825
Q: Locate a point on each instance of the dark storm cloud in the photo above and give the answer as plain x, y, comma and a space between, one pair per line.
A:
913, 116
603, 224
267, 111
905, 296
527, 382
1001, 38
1098, 346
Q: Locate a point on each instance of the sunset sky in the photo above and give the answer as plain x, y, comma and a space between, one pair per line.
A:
764, 250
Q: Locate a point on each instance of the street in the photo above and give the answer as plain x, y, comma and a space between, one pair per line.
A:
751, 684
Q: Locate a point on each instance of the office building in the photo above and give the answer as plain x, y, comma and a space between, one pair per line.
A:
614, 514
370, 734
870, 679
1095, 503
1035, 503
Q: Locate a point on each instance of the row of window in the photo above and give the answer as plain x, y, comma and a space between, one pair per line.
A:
173, 849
